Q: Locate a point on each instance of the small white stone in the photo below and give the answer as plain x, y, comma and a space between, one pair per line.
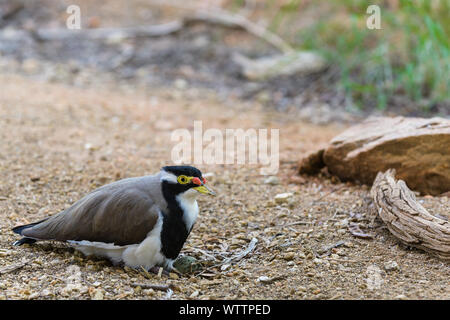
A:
208, 175
272, 180
391, 265
98, 295
263, 279
283, 197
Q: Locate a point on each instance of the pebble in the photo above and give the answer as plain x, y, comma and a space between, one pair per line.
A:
317, 261
4, 253
391, 266
283, 197
180, 84
272, 180
30, 66
173, 275
208, 175
149, 292
98, 295
289, 256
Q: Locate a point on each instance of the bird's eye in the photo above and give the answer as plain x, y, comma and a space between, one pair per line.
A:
183, 179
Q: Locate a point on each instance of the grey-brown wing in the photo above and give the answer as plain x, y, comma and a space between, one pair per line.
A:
119, 215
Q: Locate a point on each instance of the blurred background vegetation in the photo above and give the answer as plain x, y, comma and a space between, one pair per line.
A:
402, 68
407, 60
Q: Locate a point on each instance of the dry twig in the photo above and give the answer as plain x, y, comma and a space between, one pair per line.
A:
13, 267
241, 254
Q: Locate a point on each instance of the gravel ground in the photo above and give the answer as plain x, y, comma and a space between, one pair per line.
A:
58, 142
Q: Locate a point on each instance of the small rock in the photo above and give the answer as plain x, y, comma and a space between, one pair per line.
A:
149, 292
301, 255
4, 253
282, 197
208, 175
194, 294
173, 275
316, 291
272, 180
289, 256
374, 279
263, 279
30, 66
98, 295
391, 266
180, 84
317, 261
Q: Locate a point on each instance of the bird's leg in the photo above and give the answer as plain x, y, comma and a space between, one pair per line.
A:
156, 270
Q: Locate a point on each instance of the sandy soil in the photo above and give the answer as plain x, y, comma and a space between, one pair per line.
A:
58, 142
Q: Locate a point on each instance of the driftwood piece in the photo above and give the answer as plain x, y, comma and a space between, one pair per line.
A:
204, 11
285, 64
406, 219
212, 15
158, 30
224, 18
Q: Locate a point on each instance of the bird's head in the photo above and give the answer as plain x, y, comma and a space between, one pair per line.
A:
184, 179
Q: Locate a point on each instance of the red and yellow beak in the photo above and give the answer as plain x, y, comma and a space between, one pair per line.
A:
202, 188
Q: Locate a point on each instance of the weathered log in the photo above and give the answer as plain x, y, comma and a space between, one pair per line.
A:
407, 219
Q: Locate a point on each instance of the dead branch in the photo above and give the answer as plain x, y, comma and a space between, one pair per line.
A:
357, 232
241, 254
106, 33
406, 219
211, 15
221, 17
14, 267
214, 16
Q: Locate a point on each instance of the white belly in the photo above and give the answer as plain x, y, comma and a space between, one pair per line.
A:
146, 254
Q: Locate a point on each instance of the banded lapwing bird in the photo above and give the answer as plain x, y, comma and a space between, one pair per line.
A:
141, 222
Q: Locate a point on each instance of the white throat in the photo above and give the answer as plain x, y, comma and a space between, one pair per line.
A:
188, 203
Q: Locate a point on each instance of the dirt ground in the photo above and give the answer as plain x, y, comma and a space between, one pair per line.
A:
76, 115
58, 142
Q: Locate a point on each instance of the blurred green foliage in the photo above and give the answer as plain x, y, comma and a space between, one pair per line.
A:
408, 57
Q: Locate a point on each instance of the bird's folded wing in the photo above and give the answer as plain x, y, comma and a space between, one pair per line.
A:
122, 216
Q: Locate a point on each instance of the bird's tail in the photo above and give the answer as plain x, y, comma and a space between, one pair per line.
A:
19, 229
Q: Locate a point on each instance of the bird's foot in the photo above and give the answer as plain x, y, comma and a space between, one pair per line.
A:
23, 241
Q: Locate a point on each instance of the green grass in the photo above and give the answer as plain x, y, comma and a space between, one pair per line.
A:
408, 57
